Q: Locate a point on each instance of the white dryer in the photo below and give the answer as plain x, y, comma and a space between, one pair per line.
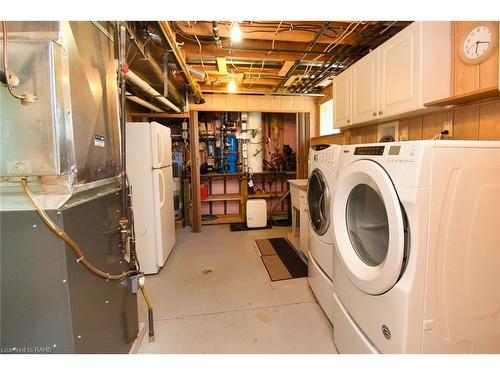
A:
417, 259
322, 166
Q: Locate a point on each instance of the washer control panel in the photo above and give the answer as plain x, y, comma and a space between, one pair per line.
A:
402, 154
369, 150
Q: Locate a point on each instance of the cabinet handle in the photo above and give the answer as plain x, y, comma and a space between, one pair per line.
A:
348, 121
380, 112
374, 113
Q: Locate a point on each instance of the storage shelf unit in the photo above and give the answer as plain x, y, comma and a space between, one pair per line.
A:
224, 197
224, 219
266, 195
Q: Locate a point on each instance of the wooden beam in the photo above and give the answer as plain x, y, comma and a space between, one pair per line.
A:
285, 68
286, 33
303, 141
261, 81
221, 65
195, 171
241, 89
255, 70
192, 49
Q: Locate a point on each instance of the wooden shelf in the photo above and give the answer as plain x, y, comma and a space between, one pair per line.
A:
274, 172
223, 197
279, 194
219, 175
224, 219
466, 98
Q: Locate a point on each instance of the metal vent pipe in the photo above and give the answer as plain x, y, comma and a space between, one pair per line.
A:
142, 102
147, 89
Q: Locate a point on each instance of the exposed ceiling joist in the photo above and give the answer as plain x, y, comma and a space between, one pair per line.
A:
290, 32
221, 65
284, 56
285, 68
250, 50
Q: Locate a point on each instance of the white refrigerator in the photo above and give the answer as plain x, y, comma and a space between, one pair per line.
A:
149, 171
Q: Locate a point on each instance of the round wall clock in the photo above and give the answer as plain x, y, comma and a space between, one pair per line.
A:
479, 43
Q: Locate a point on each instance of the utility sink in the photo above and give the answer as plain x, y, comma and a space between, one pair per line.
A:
295, 187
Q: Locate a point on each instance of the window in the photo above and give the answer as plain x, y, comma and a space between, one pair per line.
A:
326, 119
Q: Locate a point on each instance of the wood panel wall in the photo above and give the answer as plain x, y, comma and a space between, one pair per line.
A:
466, 77
261, 103
479, 121
195, 172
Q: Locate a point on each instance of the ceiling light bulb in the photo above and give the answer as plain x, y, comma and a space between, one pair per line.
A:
235, 32
231, 87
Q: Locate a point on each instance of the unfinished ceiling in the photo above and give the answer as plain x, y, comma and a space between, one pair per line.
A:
277, 56
272, 57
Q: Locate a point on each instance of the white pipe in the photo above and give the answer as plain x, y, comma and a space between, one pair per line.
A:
142, 102
256, 146
144, 86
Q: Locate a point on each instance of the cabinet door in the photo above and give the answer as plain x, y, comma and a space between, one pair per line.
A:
400, 72
365, 89
342, 99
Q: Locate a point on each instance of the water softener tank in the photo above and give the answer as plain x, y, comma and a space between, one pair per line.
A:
231, 154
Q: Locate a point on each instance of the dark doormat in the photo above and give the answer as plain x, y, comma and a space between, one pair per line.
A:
281, 222
238, 227
280, 259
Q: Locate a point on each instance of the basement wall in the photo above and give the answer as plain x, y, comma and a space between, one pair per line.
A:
478, 121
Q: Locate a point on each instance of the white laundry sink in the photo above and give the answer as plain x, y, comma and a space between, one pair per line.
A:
295, 186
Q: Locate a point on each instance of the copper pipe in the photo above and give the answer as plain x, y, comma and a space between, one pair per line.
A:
150, 313
71, 243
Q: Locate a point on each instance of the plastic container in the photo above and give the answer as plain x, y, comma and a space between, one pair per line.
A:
204, 192
256, 213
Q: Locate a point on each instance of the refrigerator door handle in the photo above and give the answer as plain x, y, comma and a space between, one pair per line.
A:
162, 189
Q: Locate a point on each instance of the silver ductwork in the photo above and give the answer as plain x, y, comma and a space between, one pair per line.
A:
68, 138
197, 73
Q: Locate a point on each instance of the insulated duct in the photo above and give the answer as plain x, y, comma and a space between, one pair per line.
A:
169, 35
197, 73
144, 86
142, 102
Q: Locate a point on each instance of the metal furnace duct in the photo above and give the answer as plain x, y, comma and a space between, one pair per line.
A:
69, 139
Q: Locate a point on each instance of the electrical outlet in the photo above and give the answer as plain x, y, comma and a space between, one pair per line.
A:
403, 133
348, 137
448, 126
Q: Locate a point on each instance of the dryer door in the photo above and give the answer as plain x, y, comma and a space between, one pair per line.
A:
369, 227
318, 199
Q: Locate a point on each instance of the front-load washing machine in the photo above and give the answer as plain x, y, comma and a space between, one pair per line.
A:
322, 166
417, 255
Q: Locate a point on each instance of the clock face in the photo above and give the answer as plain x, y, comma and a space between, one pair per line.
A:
478, 44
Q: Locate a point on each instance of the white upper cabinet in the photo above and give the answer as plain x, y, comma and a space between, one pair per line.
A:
365, 88
399, 73
400, 76
342, 99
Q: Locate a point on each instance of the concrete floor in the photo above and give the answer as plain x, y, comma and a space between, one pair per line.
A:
214, 296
